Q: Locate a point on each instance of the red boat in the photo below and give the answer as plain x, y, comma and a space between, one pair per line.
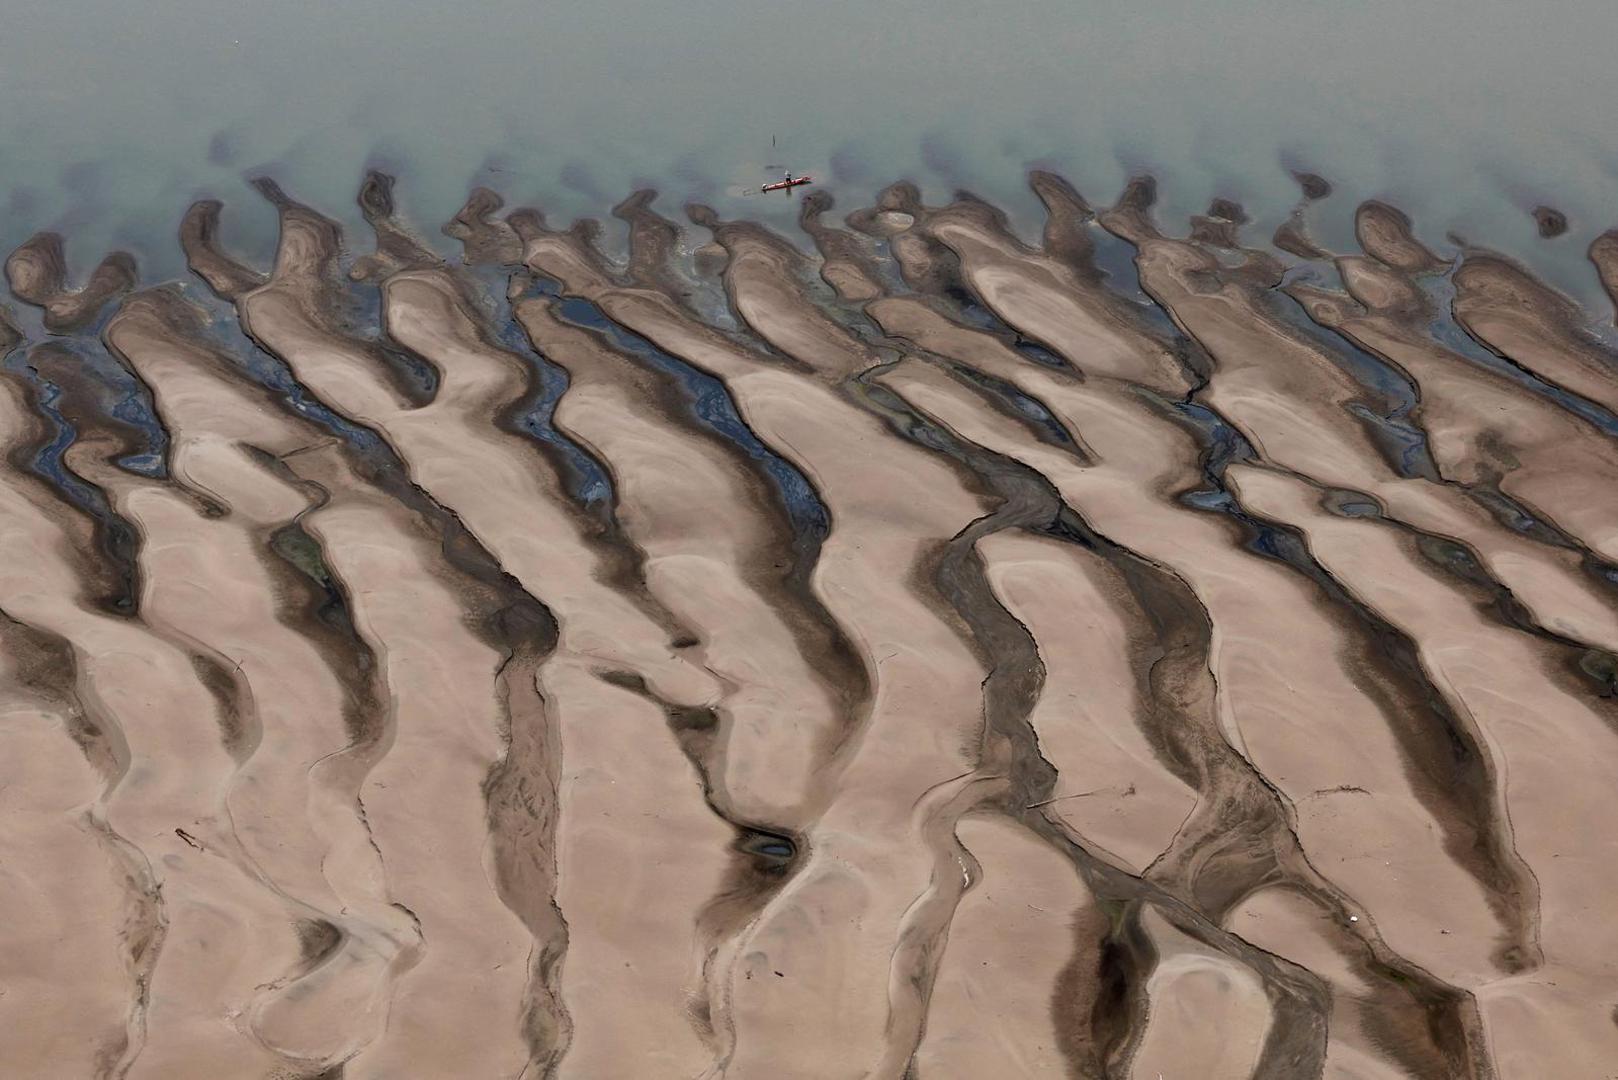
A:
787, 184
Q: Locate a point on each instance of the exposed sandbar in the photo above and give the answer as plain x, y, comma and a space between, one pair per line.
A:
910, 652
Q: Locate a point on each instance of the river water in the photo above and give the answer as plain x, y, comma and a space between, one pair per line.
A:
1465, 112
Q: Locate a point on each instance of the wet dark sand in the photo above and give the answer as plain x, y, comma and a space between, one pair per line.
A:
898, 650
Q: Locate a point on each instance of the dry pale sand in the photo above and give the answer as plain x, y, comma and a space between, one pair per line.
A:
938, 664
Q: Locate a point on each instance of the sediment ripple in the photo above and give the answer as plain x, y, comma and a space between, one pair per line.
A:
900, 650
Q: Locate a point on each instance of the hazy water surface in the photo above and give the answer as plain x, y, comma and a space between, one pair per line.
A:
1466, 112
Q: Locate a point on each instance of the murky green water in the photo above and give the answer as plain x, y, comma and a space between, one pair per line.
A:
1466, 112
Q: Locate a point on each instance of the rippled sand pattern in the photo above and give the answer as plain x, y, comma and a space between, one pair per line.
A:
890, 651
